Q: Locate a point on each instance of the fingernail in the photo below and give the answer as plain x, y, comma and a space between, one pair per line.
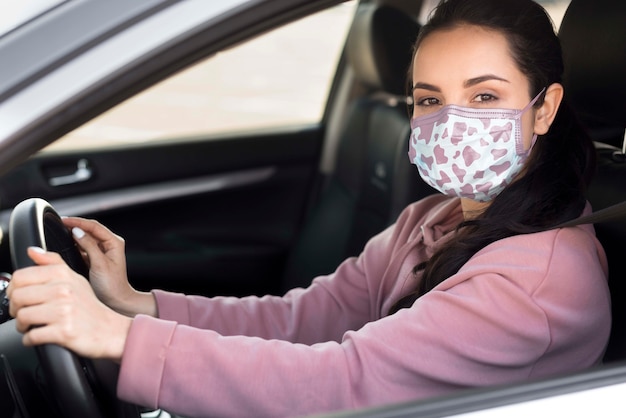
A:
38, 250
77, 232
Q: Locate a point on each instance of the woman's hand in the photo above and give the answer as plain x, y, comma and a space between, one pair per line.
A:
53, 304
104, 253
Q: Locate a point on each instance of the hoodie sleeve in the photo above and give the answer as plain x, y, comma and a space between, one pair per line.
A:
300, 316
489, 324
447, 340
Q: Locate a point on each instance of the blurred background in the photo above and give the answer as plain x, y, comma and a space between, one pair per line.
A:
281, 78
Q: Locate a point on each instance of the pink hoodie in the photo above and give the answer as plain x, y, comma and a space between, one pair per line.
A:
524, 307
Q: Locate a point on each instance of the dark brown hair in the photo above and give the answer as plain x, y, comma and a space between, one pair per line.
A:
552, 189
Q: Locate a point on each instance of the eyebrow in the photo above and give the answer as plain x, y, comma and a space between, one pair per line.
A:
468, 83
487, 77
426, 86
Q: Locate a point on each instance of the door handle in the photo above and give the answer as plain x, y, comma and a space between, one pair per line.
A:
83, 173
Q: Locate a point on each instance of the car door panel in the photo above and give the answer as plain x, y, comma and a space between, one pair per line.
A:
208, 216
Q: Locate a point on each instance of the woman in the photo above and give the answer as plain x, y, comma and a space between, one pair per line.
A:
468, 290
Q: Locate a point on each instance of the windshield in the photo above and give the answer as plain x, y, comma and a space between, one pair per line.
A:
17, 12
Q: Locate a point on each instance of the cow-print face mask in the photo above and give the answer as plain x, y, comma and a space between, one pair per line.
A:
467, 152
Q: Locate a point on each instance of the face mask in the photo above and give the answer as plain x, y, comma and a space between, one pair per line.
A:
471, 153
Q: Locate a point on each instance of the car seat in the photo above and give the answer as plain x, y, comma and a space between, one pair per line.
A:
373, 179
593, 37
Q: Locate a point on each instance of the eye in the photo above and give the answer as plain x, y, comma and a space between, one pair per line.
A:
485, 98
428, 101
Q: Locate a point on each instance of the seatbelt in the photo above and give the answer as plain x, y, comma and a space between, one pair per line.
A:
611, 213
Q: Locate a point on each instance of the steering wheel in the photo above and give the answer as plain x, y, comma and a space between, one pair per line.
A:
81, 387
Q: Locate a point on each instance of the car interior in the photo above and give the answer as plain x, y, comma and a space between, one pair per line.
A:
371, 182
328, 216
593, 37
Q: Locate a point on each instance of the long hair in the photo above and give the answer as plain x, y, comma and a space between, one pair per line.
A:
558, 171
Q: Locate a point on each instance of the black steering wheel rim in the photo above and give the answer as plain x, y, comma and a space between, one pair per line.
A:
71, 379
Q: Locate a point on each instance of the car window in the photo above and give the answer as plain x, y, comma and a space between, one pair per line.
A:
281, 78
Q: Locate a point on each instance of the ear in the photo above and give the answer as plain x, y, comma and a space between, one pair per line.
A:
544, 116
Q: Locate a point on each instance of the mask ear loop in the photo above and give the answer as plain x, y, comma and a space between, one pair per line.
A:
528, 106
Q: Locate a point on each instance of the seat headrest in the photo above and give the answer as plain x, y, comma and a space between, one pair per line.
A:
380, 47
593, 37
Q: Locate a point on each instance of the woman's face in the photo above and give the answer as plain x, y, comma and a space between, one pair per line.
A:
472, 67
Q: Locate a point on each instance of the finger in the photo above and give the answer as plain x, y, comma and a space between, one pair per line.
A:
47, 334
47, 312
98, 253
72, 221
94, 246
40, 274
39, 284
92, 227
29, 317
46, 304
42, 257
22, 297
29, 341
